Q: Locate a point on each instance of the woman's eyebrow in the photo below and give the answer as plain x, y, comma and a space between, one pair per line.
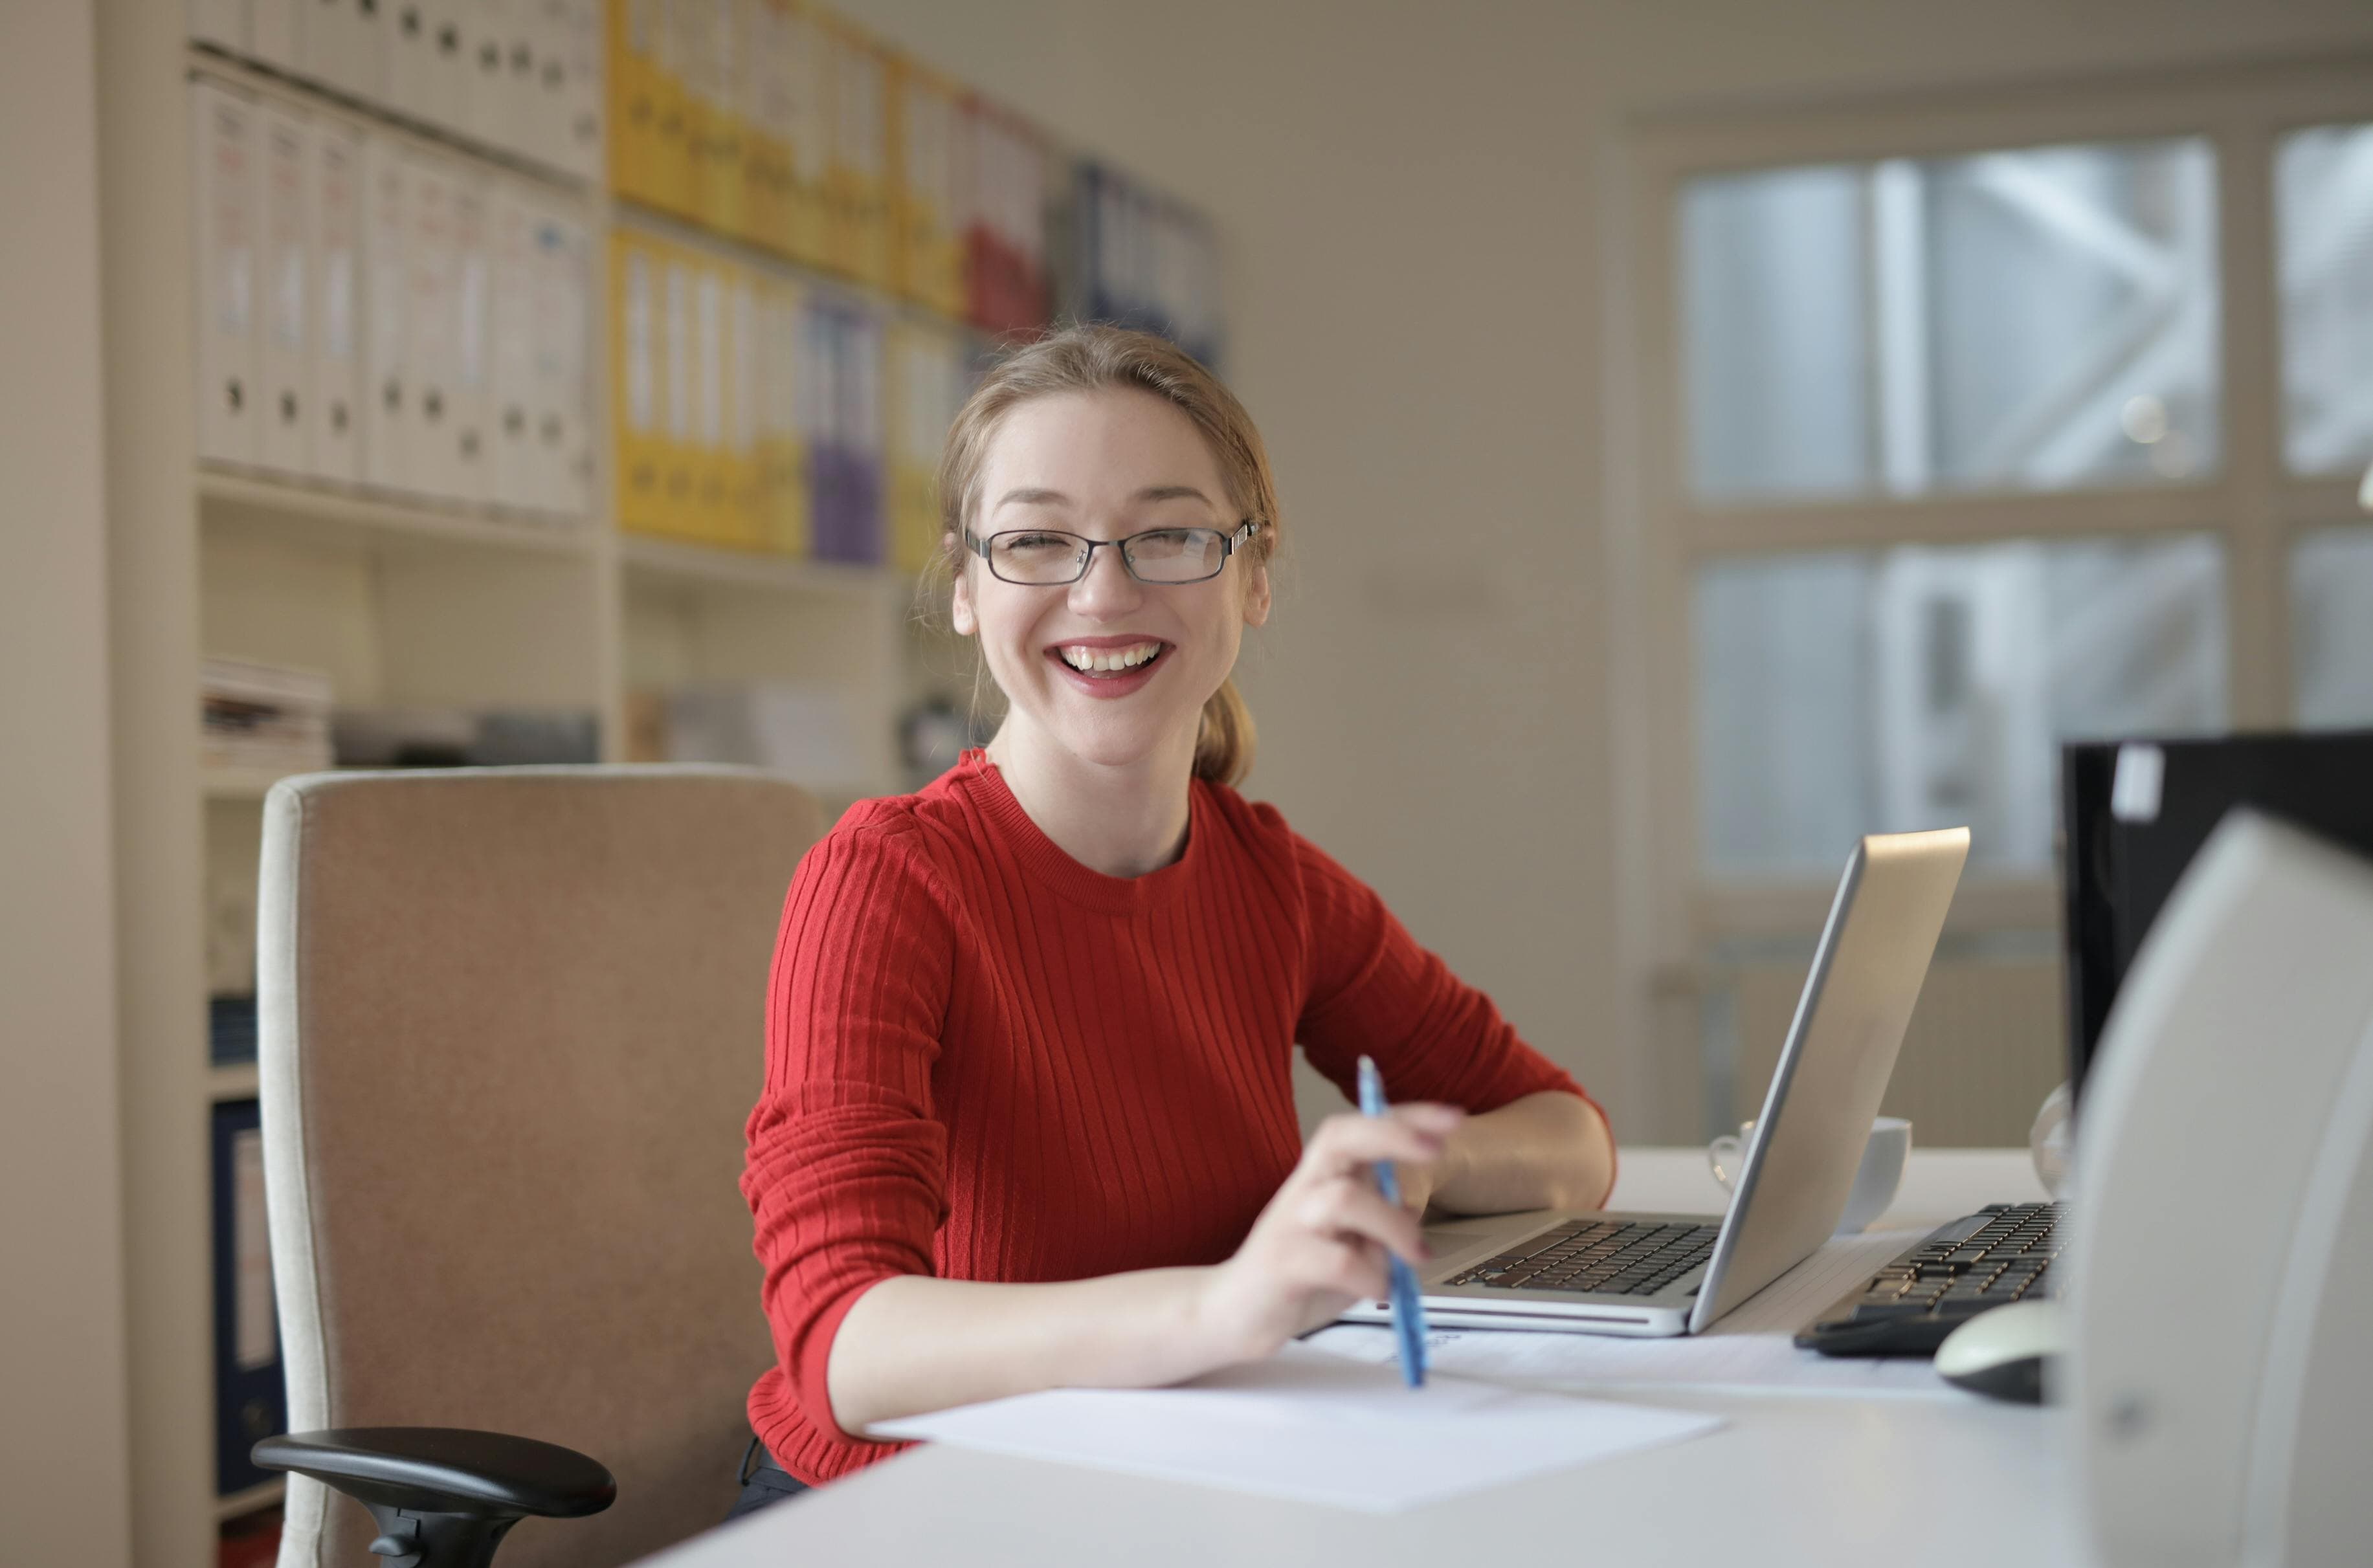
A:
1034, 498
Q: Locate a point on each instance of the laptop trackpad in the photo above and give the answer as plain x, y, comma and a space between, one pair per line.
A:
1459, 1241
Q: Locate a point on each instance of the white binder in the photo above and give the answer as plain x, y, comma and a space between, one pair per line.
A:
370, 35
226, 187
429, 264
274, 33
409, 32
487, 38
389, 394
513, 461
284, 299
472, 383
335, 332
222, 23
326, 44
583, 94
548, 111
525, 49
564, 257
449, 64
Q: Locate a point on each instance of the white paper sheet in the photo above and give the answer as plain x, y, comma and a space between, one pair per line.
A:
1315, 1428
1750, 1349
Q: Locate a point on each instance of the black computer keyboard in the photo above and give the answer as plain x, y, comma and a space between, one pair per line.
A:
2000, 1254
1600, 1257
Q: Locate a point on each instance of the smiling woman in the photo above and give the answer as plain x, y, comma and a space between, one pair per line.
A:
1028, 1120
1147, 405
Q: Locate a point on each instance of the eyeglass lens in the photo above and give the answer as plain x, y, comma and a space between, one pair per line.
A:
1162, 555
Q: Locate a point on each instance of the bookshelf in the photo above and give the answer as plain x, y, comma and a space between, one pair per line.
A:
403, 601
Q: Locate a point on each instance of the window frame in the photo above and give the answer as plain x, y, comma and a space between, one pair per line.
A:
1673, 912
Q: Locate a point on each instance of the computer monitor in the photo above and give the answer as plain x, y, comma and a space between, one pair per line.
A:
2134, 812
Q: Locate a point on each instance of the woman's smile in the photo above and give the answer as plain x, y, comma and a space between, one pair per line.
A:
1107, 666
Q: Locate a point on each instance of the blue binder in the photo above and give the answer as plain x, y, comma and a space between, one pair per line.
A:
250, 1400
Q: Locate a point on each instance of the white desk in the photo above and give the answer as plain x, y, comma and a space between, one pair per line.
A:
1790, 1481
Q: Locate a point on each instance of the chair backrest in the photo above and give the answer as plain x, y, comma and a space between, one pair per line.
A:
511, 1022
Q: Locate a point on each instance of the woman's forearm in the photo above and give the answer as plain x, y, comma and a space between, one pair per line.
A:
1550, 1150
914, 1343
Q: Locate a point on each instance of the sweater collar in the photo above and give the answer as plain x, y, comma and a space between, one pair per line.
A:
984, 785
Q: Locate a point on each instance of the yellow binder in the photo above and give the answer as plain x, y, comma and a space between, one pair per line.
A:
782, 449
856, 186
713, 117
637, 383
927, 253
634, 95
740, 521
807, 132
765, 145
927, 388
680, 451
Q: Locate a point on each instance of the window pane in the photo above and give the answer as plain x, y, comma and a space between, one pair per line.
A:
2323, 211
2332, 628
2036, 320
1854, 692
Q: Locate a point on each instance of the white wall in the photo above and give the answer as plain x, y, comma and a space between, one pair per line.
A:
62, 1484
1408, 192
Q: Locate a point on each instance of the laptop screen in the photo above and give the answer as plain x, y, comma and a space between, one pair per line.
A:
2134, 812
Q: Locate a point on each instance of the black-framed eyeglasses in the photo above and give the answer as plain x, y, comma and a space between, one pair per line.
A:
1049, 557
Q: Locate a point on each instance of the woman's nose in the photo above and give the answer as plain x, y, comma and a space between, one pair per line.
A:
1107, 585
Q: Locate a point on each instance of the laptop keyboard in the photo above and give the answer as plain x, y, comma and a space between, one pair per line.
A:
1597, 1258
2003, 1253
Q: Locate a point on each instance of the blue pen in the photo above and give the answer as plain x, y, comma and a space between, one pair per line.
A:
1409, 1317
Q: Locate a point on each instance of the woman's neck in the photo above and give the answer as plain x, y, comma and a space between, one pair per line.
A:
1122, 819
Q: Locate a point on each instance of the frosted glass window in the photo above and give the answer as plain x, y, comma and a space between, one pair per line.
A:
2036, 320
1871, 691
2324, 213
2332, 628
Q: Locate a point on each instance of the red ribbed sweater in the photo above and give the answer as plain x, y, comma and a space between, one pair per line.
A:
987, 1062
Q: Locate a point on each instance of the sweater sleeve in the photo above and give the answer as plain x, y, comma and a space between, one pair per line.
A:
845, 1164
1374, 991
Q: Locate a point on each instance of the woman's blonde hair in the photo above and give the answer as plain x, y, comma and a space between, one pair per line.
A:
1089, 359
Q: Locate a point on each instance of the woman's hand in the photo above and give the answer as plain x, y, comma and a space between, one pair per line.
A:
1321, 1244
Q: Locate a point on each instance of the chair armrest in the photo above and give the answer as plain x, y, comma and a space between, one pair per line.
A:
443, 1495
446, 1469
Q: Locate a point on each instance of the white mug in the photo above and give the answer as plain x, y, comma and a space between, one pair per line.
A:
1874, 1184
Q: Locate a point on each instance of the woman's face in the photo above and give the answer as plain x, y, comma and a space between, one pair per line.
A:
1105, 465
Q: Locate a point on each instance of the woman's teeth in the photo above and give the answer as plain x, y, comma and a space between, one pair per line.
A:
1089, 660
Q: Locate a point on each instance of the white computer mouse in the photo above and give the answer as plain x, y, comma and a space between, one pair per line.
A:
2004, 1354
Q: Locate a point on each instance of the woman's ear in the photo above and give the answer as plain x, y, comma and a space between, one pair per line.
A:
960, 611
1256, 596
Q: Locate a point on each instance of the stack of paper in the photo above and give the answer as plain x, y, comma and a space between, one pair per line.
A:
1315, 1428
263, 717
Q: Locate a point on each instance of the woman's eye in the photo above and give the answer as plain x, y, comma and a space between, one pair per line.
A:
1037, 542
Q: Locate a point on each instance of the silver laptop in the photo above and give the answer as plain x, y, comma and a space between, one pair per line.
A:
1662, 1274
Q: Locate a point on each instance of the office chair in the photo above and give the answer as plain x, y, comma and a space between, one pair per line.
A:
511, 1022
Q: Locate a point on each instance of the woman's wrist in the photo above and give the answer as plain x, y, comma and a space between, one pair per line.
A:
1458, 1162
1218, 1330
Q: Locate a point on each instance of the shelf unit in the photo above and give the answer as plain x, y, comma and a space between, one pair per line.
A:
403, 601
307, 509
